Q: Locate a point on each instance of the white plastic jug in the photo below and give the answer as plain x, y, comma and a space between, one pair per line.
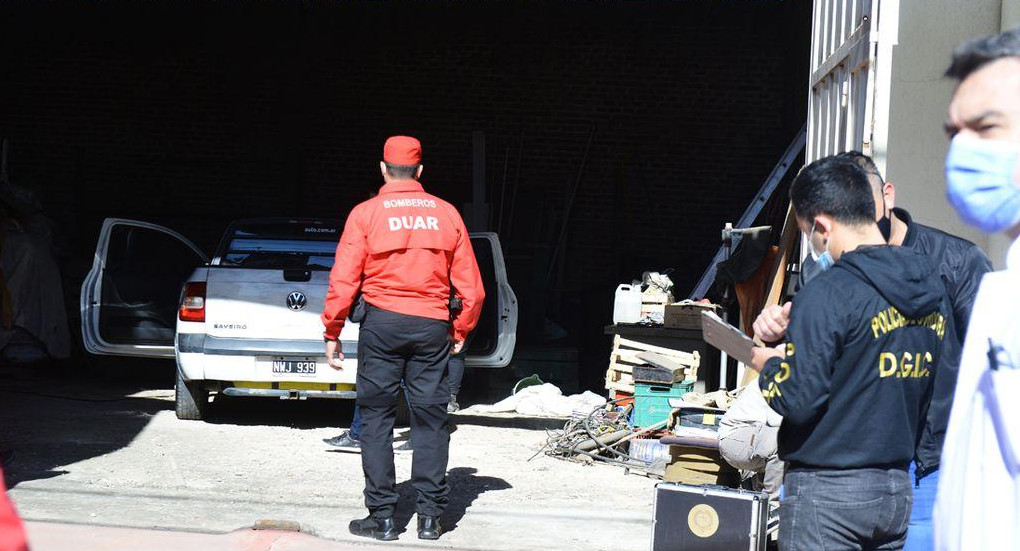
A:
627, 307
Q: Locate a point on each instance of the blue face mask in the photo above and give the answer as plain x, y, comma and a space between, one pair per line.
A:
823, 259
979, 182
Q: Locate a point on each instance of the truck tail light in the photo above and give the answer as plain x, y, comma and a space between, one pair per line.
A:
193, 305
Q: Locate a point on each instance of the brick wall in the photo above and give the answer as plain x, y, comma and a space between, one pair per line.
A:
193, 114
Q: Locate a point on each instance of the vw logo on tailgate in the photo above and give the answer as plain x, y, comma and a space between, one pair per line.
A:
296, 301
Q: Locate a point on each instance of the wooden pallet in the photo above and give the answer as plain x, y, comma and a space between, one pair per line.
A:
624, 357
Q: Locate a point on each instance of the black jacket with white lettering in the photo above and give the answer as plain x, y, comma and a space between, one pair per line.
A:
863, 345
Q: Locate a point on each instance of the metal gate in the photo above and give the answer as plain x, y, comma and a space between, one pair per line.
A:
851, 68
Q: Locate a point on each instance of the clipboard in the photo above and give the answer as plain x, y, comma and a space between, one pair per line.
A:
727, 338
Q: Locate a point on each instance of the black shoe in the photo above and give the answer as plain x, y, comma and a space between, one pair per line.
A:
406, 447
429, 528
453, 406
372, 527
345, 442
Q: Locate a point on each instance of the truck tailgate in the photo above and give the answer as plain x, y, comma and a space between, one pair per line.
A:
262, 304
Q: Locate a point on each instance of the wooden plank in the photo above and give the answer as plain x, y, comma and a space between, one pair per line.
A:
620, 381
629, 356
612, 353
651, 348
621, 367
777, 277
625, 380
693, 373
629, 389
634, 357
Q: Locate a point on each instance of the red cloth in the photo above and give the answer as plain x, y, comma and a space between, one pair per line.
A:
403, 249
402, 150
12, 533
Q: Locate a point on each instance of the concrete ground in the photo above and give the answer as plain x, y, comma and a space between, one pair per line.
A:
82, 449
83, 537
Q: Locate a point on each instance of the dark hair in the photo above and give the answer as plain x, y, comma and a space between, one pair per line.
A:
836, 186
974, 54
865, 162
402, 172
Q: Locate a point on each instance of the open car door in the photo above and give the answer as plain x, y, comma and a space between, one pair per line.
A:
493, 340
129, 299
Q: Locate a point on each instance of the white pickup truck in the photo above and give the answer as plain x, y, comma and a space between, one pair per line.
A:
246, 323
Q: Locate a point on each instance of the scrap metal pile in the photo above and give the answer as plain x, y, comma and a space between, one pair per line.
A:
600, 435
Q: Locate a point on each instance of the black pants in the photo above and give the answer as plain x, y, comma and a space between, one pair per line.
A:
392, 347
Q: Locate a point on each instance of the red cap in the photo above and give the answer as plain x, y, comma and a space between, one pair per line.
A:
402, 150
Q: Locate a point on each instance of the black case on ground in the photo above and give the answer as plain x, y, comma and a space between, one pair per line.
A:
709, 518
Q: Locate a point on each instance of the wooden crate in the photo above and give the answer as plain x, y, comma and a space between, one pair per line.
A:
623, 358
654, 302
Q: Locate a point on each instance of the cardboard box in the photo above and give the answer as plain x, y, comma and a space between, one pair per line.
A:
686, 316
690, 465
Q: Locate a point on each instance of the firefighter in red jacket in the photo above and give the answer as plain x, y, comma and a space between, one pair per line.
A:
403, 250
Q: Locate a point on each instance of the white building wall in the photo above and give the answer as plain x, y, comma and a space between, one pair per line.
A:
920, 95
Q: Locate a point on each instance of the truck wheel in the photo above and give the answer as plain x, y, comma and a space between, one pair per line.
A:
192, 399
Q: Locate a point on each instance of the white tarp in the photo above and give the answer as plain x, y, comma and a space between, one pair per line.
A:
542, 400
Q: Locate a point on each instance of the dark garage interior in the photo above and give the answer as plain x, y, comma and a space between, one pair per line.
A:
665, 116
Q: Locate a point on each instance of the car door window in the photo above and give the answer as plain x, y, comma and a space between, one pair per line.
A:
141, 285
485, 337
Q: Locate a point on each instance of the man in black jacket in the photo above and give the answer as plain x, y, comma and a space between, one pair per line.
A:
961, 265
855, 377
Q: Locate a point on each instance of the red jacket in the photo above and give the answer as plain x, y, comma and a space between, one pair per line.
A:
12, 533
403, 249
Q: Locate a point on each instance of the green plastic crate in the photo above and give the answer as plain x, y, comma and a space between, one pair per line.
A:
651, 401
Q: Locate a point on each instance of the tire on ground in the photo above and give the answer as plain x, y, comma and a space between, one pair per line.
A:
192, 399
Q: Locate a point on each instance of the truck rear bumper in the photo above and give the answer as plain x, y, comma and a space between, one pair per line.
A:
257, 366
289, 394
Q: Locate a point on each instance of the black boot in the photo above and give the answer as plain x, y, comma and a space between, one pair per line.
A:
429, 528
380, 528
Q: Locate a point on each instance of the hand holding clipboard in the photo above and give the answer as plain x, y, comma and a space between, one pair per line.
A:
734, 342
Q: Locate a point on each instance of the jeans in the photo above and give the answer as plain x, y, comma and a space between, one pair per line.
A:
921, 535
845, 509
455, 370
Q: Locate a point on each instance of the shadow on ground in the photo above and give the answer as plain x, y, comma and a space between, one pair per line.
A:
465, 487
508, 421
54, 415
303, 414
